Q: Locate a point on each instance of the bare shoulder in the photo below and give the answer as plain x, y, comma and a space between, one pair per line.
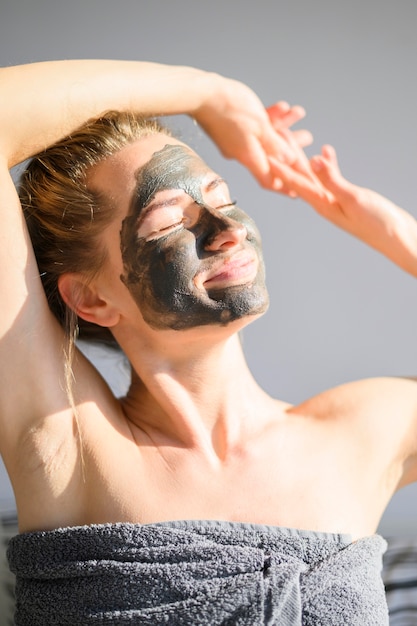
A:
350, 399
379, 414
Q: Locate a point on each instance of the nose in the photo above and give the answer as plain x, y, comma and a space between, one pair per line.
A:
222, 232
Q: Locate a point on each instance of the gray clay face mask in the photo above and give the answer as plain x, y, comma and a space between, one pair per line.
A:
160, 271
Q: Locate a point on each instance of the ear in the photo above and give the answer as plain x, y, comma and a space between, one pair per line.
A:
82, 298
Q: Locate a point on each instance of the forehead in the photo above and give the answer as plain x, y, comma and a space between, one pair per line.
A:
158, 161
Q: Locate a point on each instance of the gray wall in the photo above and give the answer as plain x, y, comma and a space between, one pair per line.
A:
338, 310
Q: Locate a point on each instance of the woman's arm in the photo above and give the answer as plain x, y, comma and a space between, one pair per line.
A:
361, 212
46, 101
381, 413
42, 102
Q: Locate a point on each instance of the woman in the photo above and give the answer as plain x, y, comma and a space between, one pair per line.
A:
197, 498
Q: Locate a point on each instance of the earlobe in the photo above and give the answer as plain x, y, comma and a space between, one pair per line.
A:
82, 298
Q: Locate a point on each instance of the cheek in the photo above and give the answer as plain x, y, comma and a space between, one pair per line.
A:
156, 265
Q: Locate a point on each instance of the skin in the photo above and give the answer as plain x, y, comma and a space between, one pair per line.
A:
196, 437
161, 270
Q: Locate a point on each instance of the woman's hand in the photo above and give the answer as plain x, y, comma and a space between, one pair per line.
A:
361, 212
243, 129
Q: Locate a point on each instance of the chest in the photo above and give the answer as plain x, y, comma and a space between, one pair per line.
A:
299, 480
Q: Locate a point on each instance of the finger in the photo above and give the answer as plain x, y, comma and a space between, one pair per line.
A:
290, 193
286, 121
256, 161
307, 188
303, 137
279, 186
281, 107
326, 168
329, 153
283, 146
300, 163
281, 115
280, 144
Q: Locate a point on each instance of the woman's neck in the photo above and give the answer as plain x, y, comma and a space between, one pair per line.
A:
203, 397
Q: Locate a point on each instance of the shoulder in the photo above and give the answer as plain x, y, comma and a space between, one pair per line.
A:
378, 414
351, 399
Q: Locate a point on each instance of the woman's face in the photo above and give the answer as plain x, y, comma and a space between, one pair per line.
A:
190, 256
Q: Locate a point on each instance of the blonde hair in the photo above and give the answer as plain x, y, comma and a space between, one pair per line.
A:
64, 217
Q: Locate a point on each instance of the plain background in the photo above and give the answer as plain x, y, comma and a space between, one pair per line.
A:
338, 310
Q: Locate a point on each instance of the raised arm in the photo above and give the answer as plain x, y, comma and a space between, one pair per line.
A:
381, 413
46, 101
43, 102
363, 213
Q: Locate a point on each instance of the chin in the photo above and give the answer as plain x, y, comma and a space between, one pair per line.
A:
236, 305
241, 303
239, 324
252, 315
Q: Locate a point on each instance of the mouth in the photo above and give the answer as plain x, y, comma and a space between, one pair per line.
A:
239, 269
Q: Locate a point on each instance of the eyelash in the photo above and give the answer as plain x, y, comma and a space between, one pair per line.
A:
229, 204
171, 226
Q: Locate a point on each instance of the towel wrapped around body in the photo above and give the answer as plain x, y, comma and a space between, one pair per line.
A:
196, 573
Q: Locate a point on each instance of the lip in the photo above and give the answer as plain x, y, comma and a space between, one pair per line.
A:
238, 269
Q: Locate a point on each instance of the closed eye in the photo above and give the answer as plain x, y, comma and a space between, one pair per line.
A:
180, 222
166, 228
226, 206
163, 217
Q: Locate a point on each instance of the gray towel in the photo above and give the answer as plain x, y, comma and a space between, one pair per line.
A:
196, 573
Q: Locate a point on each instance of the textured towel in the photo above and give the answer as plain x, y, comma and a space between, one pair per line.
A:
400, 577
196, 573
